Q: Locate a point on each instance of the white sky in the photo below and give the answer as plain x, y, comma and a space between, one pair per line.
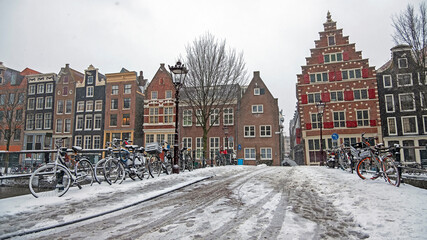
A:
275, 35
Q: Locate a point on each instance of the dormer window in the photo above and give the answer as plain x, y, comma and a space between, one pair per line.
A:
90, 80
403, 62
331, 40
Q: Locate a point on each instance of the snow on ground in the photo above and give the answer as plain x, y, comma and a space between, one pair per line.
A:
382, 211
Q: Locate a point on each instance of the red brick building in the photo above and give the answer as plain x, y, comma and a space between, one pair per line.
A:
258, 125
336, 74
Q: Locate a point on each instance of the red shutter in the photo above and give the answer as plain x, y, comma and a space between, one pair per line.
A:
351, 124
348, 95
371, 93
308, 126
326, 97
373, 123
320, 58
306, 79
365, 72
304, 99
331, 76
338, 76
345, 56
328, 125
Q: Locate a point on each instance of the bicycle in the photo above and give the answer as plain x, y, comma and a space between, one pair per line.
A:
186, 162
54, 179
157, 165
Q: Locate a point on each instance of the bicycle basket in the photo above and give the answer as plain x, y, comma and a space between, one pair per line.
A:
153, 148
365, 153
354, 151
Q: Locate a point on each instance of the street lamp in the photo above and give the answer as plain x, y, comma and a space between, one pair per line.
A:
320, 109
226, 142
179, 73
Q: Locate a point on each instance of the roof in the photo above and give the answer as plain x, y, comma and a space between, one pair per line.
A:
385, 66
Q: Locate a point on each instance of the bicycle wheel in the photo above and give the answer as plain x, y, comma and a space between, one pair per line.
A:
85, 173
369, 168
99, 170
114, 171
391, 171
148, 168
50, 180
189, 162
167, 168
156, 166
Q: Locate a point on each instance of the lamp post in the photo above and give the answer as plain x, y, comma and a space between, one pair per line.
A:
226, 143
320, 109
179, 73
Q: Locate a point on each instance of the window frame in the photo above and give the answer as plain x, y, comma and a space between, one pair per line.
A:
127, 89
404, 85
249, 131
386, 103
393, 119
90, 91
339, 122
114, 89
267, 132
249, 153
403, 125
385, 81
269, 155
399, 62
413, 102
362, 122
257, 110
187, 118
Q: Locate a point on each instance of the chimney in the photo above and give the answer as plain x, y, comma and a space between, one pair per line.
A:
256, 73
67, 65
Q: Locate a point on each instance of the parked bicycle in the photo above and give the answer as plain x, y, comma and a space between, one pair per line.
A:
54, 179
185, 160
157, 165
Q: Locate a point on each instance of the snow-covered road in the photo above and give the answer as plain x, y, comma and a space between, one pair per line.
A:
238, 202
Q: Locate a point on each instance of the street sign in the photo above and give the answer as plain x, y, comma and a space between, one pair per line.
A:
334, 136
239, 147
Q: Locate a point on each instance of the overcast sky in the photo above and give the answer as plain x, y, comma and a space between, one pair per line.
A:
275, 36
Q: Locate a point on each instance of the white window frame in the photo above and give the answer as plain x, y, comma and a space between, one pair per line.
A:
319, 77
32, 89
250, 154
265, 131
96, 138
67, 122
228, 118
390, 80
80, 106
214, 146
258, 109
87, 142
349, 71
257, 91
406, 61
97, 118
127, 89
115, 90
199, 147
393, 119
49, 88
362, 119
154, 95
392, 103
187, 118
59, 125
78, 141
424, 118
404, 85
40, 88
80, 117
331, 36
403, 128
39, 103
422, 101
214, 117
98, 105
249, 129
87, 117
198, 116
267, 152
89, 79
89, 106
47, 121
168, 94
413, 102
90, 91
330, 57
187, 142
39, 120
48, 102
29, 105
360, 94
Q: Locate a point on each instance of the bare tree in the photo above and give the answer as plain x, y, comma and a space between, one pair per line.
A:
411, 28
11, 117
214, 79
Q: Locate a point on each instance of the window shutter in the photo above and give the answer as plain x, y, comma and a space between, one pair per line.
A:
351, 124
373, 123
331, 76
365, 73
304, 99
371, 93
306, 79
328, 125
338, 76
326, 97
320, 58
345, 56
262, 91
348, 95
308, 126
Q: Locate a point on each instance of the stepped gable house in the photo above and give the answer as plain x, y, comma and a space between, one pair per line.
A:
336, 74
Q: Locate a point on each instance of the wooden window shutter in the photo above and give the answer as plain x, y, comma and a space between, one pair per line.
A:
338, 76
326, 97
345, 56
304, 99
373, 123
306, 79
308, 126
371, 93
351, 124
331, 76
348, 95
320, 58
365, 72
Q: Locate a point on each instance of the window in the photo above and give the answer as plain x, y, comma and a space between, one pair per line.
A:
65, 91
265, 131
48, 103
350, 141
39, 103
228, 143
126, 119
331, 40
214, 117
333, 57
168, 94
214, 146
11, 98
199, 147
113, 120
21, 98
67, 126
402, 62
425, 123
65, 80
89, 91
48, 121
187, 116
250, 154
228, 117
362, 118
351, 74
315, 123
409, 125
337, 96
78, 141
114, 104
319, 77
266, 154
79, 122
387, 81
168, 114
389, 103
31, 89
58, 125
126, 103
49, 88
128, 88
257, 109
391, 125
97, 122
96, 142
423, 100
30, 122
339, 119
89, 106
80, 106
408, 153
68, 106
407, 102
88, 122
154, 115
249, 131
154, 95
313, 97
2, 99
40, 88
17, 135
19, 115
115, 90
39, 121
88, 142
60, 107
149, 138
90, 80
256, 91
314, 144
98, 105
360, 94
187, 142
199, 117
404, 79
160, 138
